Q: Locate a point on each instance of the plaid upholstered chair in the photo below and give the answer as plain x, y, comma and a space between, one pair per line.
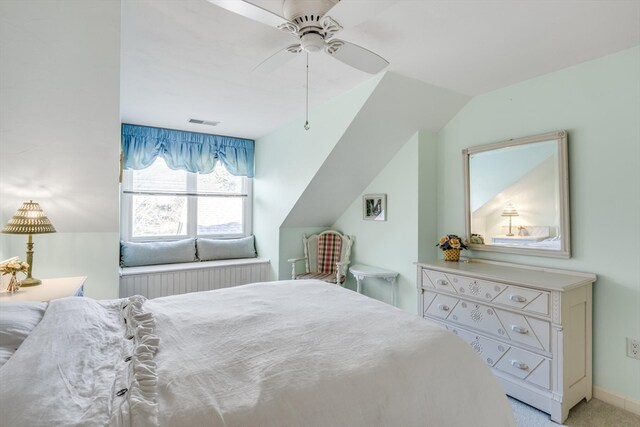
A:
326, 257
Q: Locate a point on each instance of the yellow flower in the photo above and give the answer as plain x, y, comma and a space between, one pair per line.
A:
455, 243
443, 240
24, 265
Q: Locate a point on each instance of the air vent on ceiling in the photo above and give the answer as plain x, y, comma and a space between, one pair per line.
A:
204, 122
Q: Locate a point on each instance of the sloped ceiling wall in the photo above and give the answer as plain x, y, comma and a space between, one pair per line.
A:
287, 160
60, 134
397, 108
60, 115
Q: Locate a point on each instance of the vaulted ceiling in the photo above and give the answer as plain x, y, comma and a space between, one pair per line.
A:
191, 59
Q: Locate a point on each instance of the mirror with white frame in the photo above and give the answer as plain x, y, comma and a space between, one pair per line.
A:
517, 196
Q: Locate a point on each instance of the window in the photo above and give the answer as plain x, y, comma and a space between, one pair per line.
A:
159, 203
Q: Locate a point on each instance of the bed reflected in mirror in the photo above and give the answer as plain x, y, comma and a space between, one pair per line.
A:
517, 196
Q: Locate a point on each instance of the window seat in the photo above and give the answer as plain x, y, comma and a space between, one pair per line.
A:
154, 281
195, 265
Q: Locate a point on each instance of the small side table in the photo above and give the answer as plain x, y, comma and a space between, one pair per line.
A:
360, 272
48, 290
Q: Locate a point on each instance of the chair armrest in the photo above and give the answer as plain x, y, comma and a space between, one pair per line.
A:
342, 267
293, 265
341, 270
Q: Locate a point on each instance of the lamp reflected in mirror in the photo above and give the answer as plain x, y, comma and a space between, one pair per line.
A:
509, 211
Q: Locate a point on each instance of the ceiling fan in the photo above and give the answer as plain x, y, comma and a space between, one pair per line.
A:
308, 21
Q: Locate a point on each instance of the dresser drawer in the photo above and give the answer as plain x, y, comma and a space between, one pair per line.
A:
507, 325
437, 280
478, 316
531, 300
532, 368
522, 364
438, 305
489, 350
526, 330
476, 288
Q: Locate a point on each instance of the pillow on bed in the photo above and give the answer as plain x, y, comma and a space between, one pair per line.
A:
133, 254
210, 249
17, 319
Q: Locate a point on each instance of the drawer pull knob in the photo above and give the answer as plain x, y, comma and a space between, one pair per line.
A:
443, 307
519, 329
520, 365
442, 282
517, 298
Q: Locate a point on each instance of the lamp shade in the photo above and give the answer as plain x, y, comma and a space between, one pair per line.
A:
29, 219
509, 210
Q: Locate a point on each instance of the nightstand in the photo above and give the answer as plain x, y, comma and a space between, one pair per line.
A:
48, 290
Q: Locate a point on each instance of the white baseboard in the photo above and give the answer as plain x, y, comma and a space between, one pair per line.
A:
617, 400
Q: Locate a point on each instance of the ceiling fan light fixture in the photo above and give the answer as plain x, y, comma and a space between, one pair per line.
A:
312, 42
308, 20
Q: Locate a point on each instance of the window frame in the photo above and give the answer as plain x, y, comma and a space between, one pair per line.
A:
126, 210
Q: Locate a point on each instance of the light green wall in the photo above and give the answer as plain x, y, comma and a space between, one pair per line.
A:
427, 196
60, 134
286, 160
598, 103
409, 234
391, 244
94, 255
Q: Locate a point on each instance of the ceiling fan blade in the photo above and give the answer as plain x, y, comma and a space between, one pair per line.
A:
350, 13
278, 59
252, 11
356, 56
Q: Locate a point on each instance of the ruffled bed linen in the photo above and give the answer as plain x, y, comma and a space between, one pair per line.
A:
87, 363
301, 353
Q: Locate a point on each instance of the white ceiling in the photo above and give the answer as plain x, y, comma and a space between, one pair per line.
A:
186, 59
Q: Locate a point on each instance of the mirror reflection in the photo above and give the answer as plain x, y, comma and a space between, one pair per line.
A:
517, 198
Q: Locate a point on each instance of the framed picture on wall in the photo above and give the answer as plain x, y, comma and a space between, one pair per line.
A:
374, 207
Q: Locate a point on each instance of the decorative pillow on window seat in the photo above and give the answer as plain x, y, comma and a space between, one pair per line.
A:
214, 249
133, 254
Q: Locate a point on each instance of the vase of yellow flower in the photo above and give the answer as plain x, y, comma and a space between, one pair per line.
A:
13, 268
451, 246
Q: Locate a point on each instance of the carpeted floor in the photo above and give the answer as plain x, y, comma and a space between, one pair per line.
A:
596, 413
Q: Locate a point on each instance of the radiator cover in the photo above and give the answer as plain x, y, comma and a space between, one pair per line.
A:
163, 280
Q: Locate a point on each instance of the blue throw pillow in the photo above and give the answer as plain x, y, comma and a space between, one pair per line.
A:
213, 249
133, 254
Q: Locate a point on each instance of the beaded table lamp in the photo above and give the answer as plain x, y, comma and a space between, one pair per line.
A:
29, 219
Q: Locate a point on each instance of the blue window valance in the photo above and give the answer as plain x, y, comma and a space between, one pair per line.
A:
190, 151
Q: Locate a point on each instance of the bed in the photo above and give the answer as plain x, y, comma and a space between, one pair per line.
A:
303, 353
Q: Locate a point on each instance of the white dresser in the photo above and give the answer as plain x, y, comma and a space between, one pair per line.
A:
531, 325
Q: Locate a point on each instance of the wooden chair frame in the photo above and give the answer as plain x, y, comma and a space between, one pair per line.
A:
310, 258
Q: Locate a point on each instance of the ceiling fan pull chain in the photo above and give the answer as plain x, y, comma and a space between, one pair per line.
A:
306, 123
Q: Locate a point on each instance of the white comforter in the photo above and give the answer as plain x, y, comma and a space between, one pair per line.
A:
301, 353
